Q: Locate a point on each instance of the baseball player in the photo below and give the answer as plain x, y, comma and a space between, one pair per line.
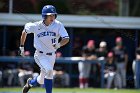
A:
46, 34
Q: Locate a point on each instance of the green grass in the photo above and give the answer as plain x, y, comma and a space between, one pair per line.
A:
73, 90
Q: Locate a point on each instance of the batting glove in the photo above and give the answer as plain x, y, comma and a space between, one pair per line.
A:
56, 46
22, 51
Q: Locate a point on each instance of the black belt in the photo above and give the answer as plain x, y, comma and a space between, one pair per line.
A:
46, 53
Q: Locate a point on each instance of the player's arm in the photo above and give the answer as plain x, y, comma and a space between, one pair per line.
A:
23, 38
22, 41
64, 35
28, 28
64, 41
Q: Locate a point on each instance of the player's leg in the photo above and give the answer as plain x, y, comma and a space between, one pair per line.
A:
46, 63
48, 81
38, 79
48, 66
34, 82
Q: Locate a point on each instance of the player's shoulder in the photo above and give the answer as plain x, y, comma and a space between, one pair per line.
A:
38, 23
33, 24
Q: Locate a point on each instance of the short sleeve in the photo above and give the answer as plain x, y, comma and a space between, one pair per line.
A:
29, 27
62, 32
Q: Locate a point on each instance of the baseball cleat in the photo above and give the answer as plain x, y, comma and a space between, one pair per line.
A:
27, 86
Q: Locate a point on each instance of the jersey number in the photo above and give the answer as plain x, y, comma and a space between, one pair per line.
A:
53, 40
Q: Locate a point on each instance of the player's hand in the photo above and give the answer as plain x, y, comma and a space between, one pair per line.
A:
56, 46
21, 51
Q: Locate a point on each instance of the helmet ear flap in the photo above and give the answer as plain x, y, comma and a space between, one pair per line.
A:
55, 16
45, 17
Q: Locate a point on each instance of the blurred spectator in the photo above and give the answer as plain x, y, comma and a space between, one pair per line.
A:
10, 71
110, 69
61, 78
121, 58
25, 70
101, 53
88, 52
102, 50
136, 69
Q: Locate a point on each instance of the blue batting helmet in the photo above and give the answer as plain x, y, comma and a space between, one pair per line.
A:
48, 10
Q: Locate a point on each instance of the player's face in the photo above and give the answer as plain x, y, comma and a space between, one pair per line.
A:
50, 19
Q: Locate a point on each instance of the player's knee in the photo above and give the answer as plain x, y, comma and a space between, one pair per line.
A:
40, 79
49, 74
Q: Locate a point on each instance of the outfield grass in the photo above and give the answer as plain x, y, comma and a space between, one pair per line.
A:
72, 90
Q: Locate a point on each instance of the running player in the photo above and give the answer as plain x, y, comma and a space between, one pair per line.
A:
46, 34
